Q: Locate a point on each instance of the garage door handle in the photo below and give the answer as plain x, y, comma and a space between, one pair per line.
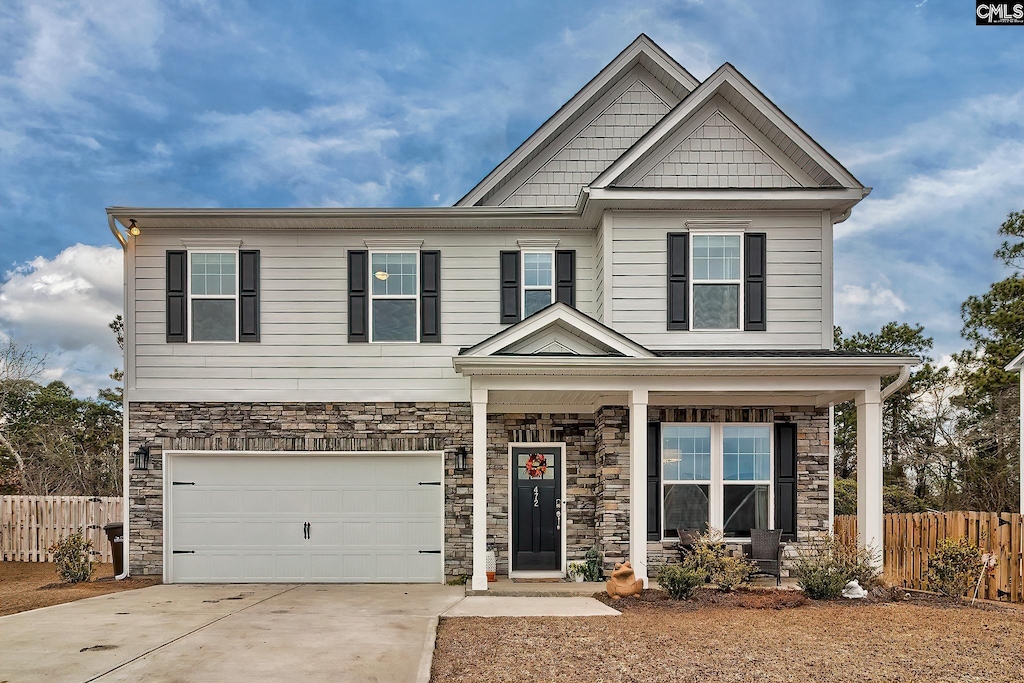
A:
430, 552
429, 483
183, 552
305, 530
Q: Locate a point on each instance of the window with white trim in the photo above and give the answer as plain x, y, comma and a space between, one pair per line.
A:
717, 474
394, 297
538, 281
716, 264
213, 296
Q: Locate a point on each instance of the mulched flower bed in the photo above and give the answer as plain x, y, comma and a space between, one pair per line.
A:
748, 635
30, 585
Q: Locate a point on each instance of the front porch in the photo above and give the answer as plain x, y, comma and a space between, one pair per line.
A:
597, 405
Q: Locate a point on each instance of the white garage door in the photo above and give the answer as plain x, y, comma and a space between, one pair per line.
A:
288, 518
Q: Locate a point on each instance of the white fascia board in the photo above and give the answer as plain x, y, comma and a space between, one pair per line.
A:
1017, 364
557, 313
794, 195
703, 366
726, 73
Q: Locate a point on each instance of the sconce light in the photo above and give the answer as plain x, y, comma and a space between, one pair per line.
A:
142, 458
133, 229
460, 459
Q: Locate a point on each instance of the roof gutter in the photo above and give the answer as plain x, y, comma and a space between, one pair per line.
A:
897, 384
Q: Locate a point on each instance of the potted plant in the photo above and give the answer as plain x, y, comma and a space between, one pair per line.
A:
578, 571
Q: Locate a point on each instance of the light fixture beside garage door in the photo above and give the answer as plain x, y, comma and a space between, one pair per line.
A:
142, 458
460, 459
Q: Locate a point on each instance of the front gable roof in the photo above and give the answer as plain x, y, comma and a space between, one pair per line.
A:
738, 115
558, 330
618, 105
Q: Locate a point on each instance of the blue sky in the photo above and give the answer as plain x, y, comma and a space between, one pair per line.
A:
206, 103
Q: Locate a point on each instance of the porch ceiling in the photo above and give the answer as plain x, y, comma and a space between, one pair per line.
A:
548, 401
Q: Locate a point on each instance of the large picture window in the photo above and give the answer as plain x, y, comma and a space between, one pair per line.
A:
538, 281
717, 281
394, 294
213, 296
717, 474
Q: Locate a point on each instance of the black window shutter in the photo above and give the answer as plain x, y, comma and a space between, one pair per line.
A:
358, 299
678, 267
510, 287
785, 480
565, 277
755, 295
430, 297
249, 296
653, 481
177, 297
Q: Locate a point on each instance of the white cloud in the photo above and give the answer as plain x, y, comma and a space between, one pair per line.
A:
62, 306
71, 44
877, 303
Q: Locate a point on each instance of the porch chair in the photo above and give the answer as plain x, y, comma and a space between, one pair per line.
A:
765, 550
685, 543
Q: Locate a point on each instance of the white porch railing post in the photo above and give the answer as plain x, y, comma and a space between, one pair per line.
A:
870, 524
479, 489
638, 482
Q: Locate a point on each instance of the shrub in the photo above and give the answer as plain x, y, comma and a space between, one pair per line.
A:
823, 570
680, 582
592, 560
709, 557
72, 559
953, 567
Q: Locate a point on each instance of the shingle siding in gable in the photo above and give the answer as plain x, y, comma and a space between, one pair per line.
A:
558, 182
717, 154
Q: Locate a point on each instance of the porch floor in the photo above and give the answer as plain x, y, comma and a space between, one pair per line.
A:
539, 589
566, 589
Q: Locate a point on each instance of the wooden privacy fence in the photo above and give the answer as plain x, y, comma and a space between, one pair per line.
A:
30, 524
911, 537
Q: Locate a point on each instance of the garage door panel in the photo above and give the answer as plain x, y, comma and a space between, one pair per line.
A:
244, 518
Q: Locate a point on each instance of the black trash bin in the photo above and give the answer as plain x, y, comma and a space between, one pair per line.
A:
115, 534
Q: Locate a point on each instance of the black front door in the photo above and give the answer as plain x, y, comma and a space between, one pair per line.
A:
536, 508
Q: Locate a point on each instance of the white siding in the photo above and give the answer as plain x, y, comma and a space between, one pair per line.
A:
717, 154
794, 278
303, 353
611, 130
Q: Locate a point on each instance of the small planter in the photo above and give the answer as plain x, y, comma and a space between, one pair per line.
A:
491, 566
579, 578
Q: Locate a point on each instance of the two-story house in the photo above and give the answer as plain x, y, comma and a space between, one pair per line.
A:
623, 331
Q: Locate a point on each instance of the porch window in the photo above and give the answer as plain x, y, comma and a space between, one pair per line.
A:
538, 281
394, 294
717, 279
719, 475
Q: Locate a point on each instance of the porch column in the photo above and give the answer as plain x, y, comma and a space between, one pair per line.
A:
479, 397
638, 483
869, 472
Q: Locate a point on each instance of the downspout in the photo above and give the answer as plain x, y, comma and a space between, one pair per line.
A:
897, 384
125, 471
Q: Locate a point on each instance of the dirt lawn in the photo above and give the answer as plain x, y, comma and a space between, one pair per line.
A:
28, 585
803, 641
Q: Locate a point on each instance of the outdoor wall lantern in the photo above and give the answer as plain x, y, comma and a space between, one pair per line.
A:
460, 459
142, 458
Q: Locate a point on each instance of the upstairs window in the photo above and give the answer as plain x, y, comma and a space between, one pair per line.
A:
394, 297
717, 279
213, 296
538, 281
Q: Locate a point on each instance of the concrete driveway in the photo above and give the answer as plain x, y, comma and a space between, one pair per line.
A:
231, 632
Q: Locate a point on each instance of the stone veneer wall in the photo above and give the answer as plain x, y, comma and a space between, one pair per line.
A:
296, 427
812, 471
613, 484
597, 463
